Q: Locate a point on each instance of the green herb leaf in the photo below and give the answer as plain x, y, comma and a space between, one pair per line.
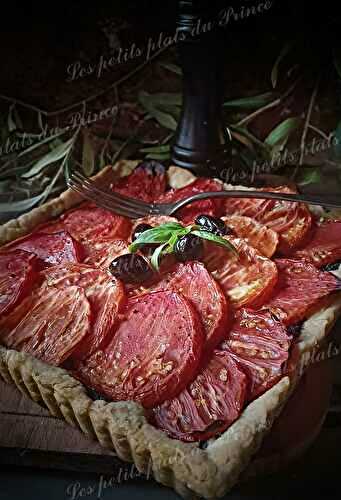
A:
280, 134
206, 235
159, 234
156, 256
254, 102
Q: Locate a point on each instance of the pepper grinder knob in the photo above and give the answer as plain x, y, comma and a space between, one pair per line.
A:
201, 143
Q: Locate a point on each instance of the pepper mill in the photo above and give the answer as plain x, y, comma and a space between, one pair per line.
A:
201, 143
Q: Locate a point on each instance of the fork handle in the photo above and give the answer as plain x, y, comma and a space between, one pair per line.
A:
312, 200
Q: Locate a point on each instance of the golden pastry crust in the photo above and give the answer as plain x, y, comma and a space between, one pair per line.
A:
122, 426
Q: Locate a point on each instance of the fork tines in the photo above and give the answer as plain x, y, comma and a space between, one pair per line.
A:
115, 202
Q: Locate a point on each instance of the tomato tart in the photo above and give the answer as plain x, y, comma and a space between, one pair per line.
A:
174, 341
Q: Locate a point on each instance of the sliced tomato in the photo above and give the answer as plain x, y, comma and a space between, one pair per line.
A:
250, 207
260, 345
53, 248
187, 214
209, 405
248, 278
154, 354
103, 253
195, 283
18, 274
257, 235
297, 233
105, 294
292, 221
147, 182
299, 289
153, 220
54, 323
325, 245
91, 224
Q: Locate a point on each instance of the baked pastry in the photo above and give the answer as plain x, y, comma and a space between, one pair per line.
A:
190, 346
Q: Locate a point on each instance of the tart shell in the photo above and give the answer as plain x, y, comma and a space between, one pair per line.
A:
122, 426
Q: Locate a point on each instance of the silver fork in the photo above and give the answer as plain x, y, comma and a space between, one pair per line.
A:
134, 209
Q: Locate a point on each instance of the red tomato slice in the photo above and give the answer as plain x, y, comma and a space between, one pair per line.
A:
292, 221
257, 235
260, 346
247, 279
299, 289
147, 182
153, 220
298, 232
250, 207
154, 353
17, 277
187, 214
55, 322
103, 253
209, 405
325, 246
105, 294
92, 224
54, 248
196, 284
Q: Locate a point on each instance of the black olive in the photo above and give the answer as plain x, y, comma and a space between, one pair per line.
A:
139, 229
131, 268
151, 167
212, 224
188, 247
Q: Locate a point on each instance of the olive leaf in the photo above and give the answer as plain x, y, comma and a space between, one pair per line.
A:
254, 102
149, 103
22, 205
263, 147
158, 156
11, 125
309, 175
336, 151
279, 136
88, 154
15, 171
172, 67
4, 186
156, 149
56, 154
274, 73
206, 235
40, 121
166, 98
